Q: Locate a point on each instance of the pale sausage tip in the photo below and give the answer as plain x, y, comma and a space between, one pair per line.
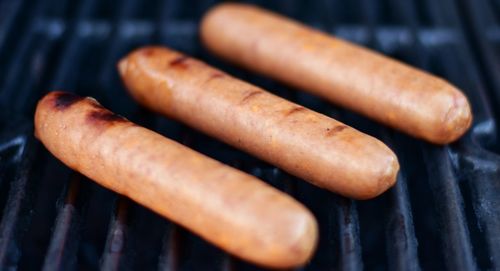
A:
211, 16
457, 119
308, 239
301, 244
383, 179
122, 66
389, 177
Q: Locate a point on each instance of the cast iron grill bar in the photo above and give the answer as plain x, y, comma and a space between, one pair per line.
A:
483, 178
450, 15
12, 224
228, 264
67, 68
14, 74
468, 77
402, 249
22, 98
166, 13
112, 258
170, 254
465, 75
482, 174
478, 19
457, 248
116, 48
61, 254
484, 118
349, 244
9, 11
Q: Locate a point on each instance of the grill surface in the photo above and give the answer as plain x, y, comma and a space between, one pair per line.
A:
442, 214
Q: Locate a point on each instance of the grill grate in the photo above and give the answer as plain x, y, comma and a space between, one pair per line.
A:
442, 214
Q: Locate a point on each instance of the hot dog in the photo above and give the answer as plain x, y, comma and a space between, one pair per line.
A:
362, 80
229, 208
307, 144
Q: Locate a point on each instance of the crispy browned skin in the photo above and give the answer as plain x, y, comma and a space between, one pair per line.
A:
307, 144
227, 207
362, 80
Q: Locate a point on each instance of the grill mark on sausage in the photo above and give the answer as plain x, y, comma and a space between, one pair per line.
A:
250, 94
335, 130
180, 62
294, 110
452, 110
148, 51
215, 75
63, 100
102, 116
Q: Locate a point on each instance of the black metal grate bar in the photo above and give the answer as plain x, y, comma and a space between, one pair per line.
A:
9, 11
64, 242
350, 249
115, 245
15, 215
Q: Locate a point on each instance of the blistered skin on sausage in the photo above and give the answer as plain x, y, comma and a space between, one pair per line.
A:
307, 144
229, 208
362, 80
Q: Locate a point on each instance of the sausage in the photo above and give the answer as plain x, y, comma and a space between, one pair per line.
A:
304, 143
359, 79
231, 209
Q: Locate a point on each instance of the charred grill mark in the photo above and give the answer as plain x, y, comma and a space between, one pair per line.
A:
148, 51
63, 100
103, 115
215, 75
249, 95
97, 106
294, 110
335, 130
180, 62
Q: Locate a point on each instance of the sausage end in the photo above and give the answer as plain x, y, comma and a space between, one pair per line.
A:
381, 180
389, 177
302, 244
122, 66
457, 119
54, 100
306, 244
211, 19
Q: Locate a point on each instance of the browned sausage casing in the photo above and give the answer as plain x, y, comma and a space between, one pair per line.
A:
227, 207
305, 143
362, 80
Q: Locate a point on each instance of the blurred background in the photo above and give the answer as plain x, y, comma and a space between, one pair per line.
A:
443, 214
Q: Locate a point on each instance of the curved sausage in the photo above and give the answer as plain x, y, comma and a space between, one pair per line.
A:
227, 207
362, 80
307, 144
